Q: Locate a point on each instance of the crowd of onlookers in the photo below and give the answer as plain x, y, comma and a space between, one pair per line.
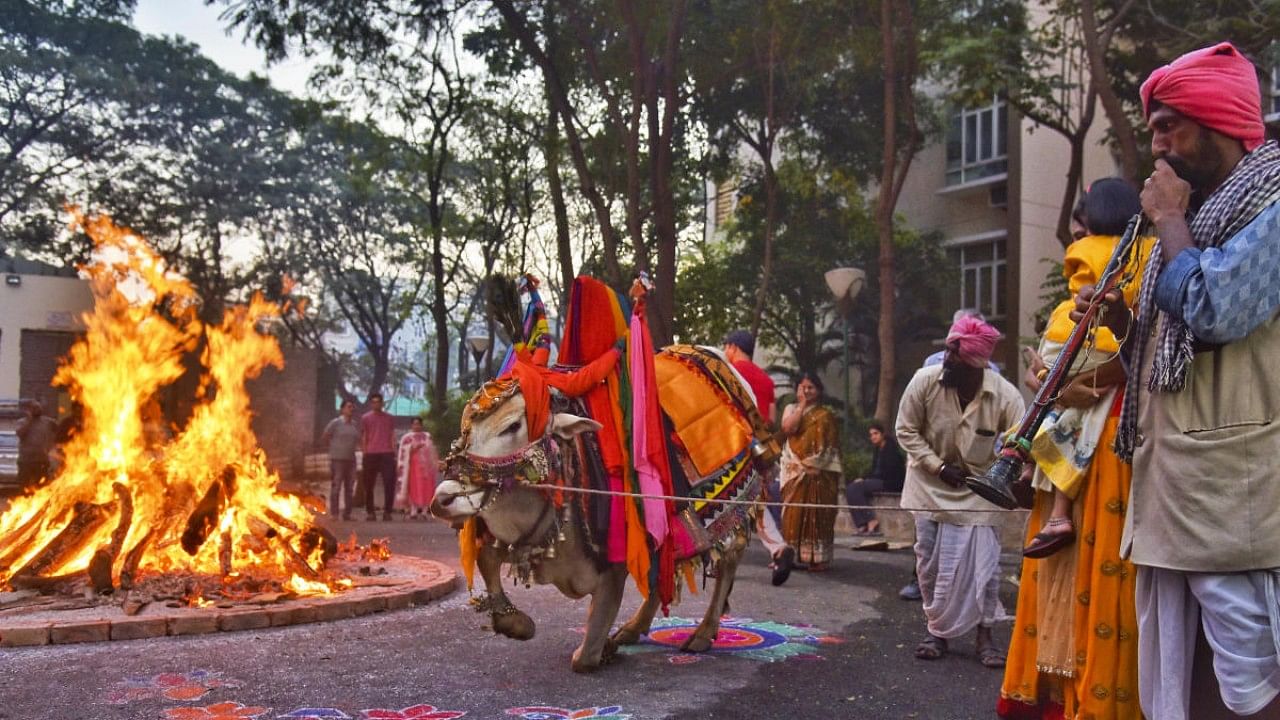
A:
407, 467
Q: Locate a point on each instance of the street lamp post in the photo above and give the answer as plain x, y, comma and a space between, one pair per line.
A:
478, 344
845, 284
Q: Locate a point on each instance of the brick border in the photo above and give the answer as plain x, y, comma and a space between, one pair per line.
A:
434, 580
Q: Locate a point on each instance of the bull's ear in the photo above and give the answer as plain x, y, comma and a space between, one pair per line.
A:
567, 426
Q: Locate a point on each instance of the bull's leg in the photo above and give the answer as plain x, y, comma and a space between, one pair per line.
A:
597, 648
702, 638
629, 634
507, 618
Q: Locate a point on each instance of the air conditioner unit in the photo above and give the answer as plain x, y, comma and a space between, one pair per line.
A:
998, 195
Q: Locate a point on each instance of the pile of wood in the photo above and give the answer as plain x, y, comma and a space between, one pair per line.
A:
114, 570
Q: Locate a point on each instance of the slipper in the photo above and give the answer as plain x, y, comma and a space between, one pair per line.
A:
869, 533
1044, 544
931, 648
782, 566
991, 656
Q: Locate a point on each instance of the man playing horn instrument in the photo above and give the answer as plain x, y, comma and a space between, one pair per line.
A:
1199, 421
948, 421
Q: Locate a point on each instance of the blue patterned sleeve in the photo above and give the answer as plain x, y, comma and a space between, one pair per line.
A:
1225, 293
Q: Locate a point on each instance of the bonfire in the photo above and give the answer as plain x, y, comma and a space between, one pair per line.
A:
194, 515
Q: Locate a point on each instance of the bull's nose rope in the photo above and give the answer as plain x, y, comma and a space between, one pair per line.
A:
762, 503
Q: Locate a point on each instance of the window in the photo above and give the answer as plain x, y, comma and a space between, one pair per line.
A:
724, 201
1274, 111
976, 143
982, 276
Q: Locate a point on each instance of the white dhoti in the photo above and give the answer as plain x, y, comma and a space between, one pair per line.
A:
1241, 619
958, 569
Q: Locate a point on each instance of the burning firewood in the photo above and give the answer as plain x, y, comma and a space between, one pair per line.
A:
204, 518
19, 542
67, 543
104, 559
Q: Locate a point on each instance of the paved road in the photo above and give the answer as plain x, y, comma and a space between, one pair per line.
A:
835, 645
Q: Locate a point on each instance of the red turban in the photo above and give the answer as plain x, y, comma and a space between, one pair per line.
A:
1214, 86
974, 340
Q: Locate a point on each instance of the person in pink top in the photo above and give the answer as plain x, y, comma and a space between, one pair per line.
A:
377, 439
418, 465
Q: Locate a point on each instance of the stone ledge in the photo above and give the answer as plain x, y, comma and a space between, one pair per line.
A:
431, 581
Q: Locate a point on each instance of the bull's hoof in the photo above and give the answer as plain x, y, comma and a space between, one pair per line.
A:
626, 635
697, 643
610, 652
584, 665
515, 625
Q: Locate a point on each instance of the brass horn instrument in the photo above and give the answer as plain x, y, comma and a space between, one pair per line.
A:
994, 484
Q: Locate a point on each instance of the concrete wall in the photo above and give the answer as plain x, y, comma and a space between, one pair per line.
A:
41, 303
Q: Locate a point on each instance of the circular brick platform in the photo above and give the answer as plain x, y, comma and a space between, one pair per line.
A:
408, 581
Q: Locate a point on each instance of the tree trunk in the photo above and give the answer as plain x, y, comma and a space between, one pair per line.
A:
1095, 45
899, 86
551, 154
770, 182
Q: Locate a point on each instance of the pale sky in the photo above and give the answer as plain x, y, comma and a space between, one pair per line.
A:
198, 23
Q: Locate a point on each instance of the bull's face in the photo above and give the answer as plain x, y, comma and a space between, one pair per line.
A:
495, 432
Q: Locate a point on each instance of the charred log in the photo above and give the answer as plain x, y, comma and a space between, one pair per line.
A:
296, 562
104, 559
63, 584
316, 536
129, 570
204, 518
224, 553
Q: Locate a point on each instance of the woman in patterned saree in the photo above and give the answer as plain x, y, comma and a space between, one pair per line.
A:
810, 473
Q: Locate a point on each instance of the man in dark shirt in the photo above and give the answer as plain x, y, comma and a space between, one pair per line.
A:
888, 468
36, 436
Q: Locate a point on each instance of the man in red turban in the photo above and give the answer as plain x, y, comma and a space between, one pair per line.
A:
1201, 414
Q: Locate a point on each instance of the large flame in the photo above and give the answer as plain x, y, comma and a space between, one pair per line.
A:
143, 324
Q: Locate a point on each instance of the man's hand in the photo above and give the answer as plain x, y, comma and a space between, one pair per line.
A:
1165, 195
1114, 313
952, 475
1035, 365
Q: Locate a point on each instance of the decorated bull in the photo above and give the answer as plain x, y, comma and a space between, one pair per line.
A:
582, 476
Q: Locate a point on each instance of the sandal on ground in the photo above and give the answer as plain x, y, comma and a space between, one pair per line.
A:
931, 648
868, 533
1045, 544
991, 656
782, 565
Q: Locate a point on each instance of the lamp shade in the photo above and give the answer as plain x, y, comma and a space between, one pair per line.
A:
478, 344
845, 283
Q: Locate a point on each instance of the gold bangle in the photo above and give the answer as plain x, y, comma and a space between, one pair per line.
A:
1042, 374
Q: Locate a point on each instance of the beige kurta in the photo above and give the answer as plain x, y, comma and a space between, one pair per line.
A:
933, 429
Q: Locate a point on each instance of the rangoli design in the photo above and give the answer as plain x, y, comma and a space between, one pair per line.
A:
216, 711
742, 637
417, 712
555, 713
182, 687
316, 713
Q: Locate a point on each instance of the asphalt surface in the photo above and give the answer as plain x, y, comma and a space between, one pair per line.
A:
832, 645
